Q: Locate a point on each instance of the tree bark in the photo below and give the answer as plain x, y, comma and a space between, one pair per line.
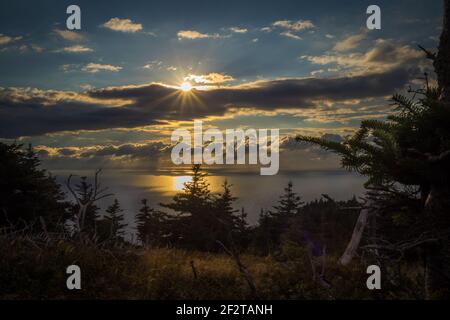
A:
358, 231
437, 206
437, 255
442, 61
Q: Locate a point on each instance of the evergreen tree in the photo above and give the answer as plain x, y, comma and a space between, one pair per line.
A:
28, 192
152, 226
228, 223
280, 217
241, 223
224, 210
262, 240
115, 218
242, 229
194, 208
407, 162
289, 204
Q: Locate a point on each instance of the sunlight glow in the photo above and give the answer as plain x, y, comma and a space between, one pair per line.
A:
178, 182
186, 86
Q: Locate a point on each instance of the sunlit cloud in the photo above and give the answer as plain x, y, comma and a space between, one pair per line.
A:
210, 78
153, 103
291, 35
385, 55
69, 35
96, 67
294, 25
193, 35
76, 49
238, 30
4, 39
350, 42
37, 48
291, 28
122, 25
152, 65
23, 48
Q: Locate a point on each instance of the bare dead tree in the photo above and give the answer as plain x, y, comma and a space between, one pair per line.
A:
358, 231
97, 193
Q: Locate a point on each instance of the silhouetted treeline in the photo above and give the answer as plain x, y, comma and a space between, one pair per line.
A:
195, 219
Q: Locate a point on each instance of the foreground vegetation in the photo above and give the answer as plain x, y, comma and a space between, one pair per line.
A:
35, 270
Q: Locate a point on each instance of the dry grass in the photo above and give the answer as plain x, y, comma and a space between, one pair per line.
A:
30, 271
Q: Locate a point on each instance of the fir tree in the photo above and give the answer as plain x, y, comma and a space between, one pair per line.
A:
28, 192
289, 204
226, 226
407, 159
115, 218
194, 208
152, 226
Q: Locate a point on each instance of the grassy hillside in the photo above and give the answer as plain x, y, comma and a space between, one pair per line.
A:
30, 270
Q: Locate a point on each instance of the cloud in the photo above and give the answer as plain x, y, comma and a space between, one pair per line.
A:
238, 30
122, 25
152, 65
130, 155
290, 27
316, 72
130, 150
76, 49
24, 48
69, 35
384, 56
210, 78
28, 112
291, 35
294, 25
350, 42
4, 39
86, 86
193, 35
37, 48
96, 67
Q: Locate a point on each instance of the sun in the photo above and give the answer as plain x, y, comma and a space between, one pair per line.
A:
186, 86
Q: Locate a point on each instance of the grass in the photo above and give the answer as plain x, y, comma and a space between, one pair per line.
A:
30, 271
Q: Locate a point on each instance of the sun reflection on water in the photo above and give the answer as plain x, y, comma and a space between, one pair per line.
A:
179, 181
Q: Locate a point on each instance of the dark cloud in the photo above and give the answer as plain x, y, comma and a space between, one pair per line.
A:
27, 113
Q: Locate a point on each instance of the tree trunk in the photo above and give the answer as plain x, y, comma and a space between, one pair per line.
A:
358, 231
437, 259
437, 264
442, 62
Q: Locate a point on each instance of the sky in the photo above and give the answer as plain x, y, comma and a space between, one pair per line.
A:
110, 94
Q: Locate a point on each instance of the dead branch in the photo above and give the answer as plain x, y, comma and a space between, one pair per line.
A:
194, 271
430, 55
242, 269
